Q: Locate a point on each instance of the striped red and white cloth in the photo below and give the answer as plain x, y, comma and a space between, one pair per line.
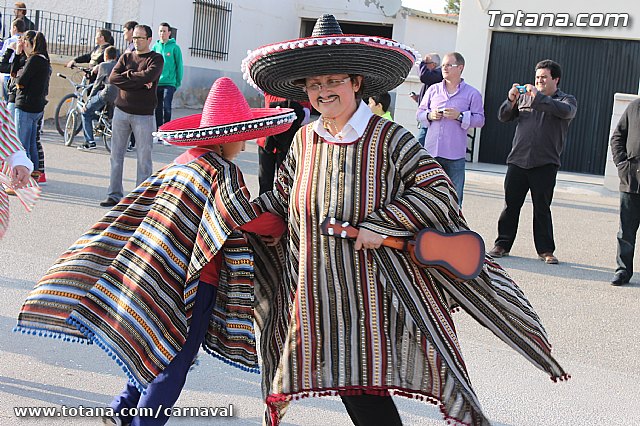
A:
9, 144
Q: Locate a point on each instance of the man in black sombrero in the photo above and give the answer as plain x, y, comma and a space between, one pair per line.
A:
354, 318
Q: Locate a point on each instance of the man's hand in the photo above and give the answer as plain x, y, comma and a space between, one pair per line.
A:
451, 113
368, 240
531, 90
435, 115
514, 93
70, 64
20, 177
148, 85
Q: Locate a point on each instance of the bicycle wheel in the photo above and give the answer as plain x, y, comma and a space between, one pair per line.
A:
70, 127
66, 104
106, 133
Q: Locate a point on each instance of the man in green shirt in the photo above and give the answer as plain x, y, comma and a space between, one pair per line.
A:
171, 77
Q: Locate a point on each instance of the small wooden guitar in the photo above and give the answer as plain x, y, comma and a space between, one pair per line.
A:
459, 255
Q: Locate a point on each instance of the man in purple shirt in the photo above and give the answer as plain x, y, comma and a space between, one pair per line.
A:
448, 109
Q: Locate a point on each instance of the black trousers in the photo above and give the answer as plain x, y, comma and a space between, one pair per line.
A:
372, 410
268, 163
629, 222
541, 181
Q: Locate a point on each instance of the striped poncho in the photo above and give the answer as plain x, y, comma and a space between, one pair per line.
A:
350, 322
129, 283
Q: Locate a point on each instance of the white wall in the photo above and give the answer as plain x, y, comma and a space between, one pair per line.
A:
121, 10
254, 23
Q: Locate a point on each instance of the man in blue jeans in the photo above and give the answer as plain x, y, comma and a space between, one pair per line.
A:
102, 93
171, 76
448, 109
136, 75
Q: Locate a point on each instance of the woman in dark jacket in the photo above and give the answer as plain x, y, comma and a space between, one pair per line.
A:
32, 88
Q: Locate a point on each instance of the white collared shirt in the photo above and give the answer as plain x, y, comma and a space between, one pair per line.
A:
352, 131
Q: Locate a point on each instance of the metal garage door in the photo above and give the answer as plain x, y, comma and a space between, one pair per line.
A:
592, 70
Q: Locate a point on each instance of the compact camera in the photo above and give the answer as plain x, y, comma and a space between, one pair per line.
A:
522, 89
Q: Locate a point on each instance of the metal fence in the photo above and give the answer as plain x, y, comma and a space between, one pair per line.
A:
66, 34
211, 29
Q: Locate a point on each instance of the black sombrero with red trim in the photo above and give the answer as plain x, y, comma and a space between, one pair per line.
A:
276, 67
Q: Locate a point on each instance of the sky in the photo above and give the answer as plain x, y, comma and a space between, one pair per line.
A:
434, 6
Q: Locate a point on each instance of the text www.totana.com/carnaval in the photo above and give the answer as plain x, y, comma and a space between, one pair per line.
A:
81, 411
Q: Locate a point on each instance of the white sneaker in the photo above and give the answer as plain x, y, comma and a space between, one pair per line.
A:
157, 140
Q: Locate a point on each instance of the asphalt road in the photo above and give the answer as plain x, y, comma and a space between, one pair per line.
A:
592, 325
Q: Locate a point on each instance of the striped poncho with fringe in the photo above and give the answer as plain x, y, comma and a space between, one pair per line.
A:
346, 322
129, 283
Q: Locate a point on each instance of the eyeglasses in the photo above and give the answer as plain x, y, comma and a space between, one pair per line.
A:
139, 38
445, 66
331, 84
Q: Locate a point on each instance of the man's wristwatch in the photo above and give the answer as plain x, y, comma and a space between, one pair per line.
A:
460, 116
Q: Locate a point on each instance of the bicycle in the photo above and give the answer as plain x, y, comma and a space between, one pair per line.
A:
73, 124
68, 102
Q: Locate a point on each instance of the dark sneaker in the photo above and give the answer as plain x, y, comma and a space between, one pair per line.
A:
109, 202
620, 277
87, 146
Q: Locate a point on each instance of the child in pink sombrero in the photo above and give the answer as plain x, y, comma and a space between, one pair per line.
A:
168, 268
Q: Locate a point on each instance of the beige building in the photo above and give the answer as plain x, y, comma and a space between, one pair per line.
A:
215, 35
597, 46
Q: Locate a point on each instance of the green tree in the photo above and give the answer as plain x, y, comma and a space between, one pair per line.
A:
453, 6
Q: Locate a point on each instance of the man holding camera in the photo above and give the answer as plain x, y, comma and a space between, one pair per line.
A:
448, 109
543, 113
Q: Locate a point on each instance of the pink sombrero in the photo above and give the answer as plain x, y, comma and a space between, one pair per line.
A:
226, 117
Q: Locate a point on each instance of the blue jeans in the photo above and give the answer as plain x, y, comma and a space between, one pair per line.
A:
422, 135
27, 127
165, 98
165, 389
123, 124
455, 170
95, 104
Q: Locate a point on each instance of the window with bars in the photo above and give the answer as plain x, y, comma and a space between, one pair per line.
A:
211, 29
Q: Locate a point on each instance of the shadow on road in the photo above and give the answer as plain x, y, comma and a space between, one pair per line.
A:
52, 394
